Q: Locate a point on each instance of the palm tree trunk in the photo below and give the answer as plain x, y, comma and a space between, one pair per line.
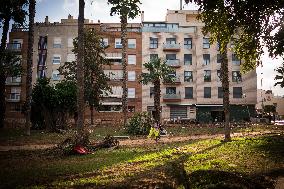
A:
124, 82
92, 114
226, 93
80, 68
4, 34
2, 74
29, 66
157, 103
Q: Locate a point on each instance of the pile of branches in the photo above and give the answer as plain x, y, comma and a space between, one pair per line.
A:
82, 145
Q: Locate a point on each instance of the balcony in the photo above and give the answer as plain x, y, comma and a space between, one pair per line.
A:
13, 97
171, 47
171, 97
173, 63
176, 81
14, 47
13, 81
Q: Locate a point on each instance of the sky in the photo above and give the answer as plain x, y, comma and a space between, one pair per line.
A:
155, 10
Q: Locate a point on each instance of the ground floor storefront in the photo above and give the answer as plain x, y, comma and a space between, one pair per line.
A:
205, 113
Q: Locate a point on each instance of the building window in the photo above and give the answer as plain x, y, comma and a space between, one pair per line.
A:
118, 44
218, 46
131, 108
153, 56
41, 73
220, 92
218, 75
153, 43
188, 92
207, 92
55, 75
188, 43
171, 56
236, 76
71, 57
14, 79
206, 59
171, 90
171, 40
218, 58
114, 75
57, 42
235, 60
188, 77
104, 42
70, 42
110, 108
206, 43
131, 43
131, 92
131, 76
56, 59
116, 91
15, 93
237, 92
152, 92
132, 59
207, 75
187, 59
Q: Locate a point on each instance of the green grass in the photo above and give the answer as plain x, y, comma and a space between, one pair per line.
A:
198, 164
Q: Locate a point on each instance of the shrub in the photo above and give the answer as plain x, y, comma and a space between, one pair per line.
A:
139, 124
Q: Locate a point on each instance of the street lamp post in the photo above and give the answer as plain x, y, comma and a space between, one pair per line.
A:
244, 96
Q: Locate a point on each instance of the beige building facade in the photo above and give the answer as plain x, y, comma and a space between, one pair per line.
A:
196, 92
53, 47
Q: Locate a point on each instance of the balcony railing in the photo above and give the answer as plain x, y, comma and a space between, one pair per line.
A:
14, 97
13, 81
171, 47
173, 63
14, 46
175, 80
171, 97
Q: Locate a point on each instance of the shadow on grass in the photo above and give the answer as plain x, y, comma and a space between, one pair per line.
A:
172, 173
169, 174
272, 146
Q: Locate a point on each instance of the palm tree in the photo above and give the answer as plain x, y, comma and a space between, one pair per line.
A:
126, 9
80, 68
9, 10
280, 77
157, 70
30, 65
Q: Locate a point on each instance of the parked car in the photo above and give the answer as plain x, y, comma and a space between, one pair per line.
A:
279, 122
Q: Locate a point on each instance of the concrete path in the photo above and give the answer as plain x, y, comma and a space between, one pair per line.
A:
140, 142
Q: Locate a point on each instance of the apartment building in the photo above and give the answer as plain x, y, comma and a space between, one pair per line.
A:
197, 90
16, 86
266, 97
53, 47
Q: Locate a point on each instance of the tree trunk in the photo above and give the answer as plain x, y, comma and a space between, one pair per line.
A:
29, 66
124, 82
2, 74
92, 114
4, 34
80, 68
226, 93
157, 103
2, 100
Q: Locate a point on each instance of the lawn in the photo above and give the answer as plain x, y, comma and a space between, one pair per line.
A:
252, 162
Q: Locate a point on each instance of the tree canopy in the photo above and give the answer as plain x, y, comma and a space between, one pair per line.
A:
255, 23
